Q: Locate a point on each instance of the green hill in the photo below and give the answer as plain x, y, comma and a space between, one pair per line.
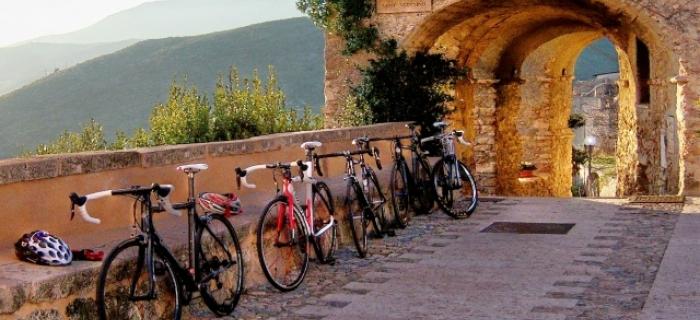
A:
120, 89
24, 64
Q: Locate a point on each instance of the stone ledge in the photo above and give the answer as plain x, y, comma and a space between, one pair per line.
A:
46, 167
27, 286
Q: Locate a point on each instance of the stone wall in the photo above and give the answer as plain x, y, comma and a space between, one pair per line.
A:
597, 102
34, 193
496, 39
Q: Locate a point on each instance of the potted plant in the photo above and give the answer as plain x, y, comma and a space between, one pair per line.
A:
527, 170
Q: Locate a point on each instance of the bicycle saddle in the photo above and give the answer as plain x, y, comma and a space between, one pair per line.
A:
193, 167
362, 140
440, 124
310, 145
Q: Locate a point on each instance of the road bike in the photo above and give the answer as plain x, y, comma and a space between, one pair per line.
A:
453, 185
364, 200
142, 279
286, 229
409, 188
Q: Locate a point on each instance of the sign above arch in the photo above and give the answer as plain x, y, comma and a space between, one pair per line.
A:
404, 6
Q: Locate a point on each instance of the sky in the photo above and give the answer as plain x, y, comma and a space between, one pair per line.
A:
22, 20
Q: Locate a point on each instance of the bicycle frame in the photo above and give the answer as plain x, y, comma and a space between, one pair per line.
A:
287, 191
148, 238
447, 142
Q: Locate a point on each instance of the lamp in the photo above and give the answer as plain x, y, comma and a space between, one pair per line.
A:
590, 142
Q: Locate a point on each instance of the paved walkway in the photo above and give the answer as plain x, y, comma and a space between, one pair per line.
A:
438, 268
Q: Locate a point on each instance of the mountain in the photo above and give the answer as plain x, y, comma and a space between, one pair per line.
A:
170, 18
598, 58
24, 64
120, 89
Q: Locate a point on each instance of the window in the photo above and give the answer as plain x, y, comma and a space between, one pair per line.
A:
643, 72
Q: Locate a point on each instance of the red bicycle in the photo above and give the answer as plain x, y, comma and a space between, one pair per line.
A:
286, 229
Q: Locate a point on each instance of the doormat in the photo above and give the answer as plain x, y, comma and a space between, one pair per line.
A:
657, 199
529, 228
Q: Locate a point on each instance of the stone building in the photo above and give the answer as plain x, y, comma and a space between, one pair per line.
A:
597, 101
522, 54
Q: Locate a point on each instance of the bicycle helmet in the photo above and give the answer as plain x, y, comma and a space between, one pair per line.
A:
41, 247
226, 204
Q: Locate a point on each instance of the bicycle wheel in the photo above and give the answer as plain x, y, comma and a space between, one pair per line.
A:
220, 264
123, 285
355, 207
400, 195
323, 211
377, 202
282, 250
422, 188
458, 198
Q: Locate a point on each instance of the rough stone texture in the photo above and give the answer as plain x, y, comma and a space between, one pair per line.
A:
498, 39
596, 101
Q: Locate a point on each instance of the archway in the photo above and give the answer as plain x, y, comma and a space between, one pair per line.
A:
594, 118
522, 56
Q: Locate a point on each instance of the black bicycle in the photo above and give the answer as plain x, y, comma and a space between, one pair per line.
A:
409, 188
142, 279
454, 186
364, 200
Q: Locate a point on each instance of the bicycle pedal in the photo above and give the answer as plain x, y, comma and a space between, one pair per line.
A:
330, 261
159, 268
391, 233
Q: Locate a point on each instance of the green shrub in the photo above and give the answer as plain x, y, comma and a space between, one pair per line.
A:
241, 108
184, 118
399, 87
246, 108
90, 138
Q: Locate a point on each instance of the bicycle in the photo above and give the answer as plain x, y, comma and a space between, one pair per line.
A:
409, 188
286, 228
450, 175
364, 200
141, 271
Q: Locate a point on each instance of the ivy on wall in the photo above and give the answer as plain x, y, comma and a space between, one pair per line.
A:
396, 86
346, 18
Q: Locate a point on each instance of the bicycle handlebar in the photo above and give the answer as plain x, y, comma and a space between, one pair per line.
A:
163, 192
242, 174
459, 134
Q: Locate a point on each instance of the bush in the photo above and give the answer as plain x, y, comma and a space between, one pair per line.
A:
399, 87
184, 118
90, 138
246, 108
241, 109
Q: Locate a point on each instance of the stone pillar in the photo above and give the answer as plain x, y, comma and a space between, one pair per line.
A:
508, 144
561, 137
485, 135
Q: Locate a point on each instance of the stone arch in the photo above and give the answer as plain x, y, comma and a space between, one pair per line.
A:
499, 40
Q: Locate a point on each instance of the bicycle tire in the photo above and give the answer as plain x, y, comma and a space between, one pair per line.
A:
375, 198
423, 193
444, 193
400, 194
122, 265
323, 211
356, 217
297, 257
218, 252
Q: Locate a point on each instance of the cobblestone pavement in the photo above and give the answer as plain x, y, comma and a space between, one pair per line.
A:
442, 268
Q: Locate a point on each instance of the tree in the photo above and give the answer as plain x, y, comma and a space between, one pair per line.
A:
399, 87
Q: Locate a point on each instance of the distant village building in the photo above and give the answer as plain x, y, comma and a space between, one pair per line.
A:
597, 101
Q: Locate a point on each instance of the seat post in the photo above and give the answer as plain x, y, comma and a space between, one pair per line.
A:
190, 178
